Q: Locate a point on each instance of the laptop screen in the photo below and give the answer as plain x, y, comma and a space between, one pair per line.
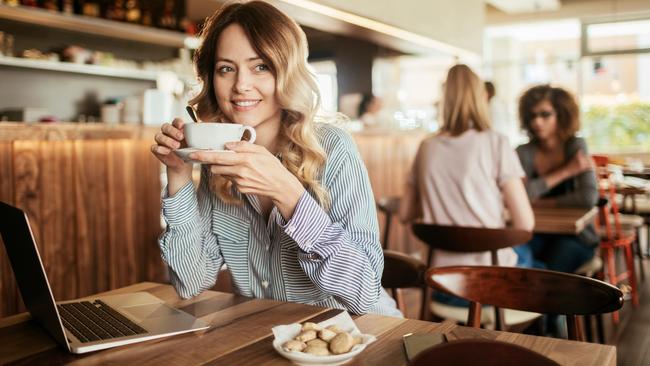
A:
28, 269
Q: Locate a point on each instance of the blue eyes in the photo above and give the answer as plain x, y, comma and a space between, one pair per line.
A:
257, 68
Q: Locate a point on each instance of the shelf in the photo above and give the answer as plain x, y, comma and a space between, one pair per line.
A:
98, 27
135, 74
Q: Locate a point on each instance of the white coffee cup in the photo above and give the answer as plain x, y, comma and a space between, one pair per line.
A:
214, 136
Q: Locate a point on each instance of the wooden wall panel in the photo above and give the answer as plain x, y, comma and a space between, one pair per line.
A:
8, 291
94, 207
26, 192
91, 205
57, 221
148, 194
121, 212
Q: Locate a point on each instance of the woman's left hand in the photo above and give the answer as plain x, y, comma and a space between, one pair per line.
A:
254, 170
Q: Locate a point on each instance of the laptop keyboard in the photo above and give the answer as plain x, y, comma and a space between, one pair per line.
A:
96, 321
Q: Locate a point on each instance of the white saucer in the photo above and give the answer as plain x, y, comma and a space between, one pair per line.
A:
185, 152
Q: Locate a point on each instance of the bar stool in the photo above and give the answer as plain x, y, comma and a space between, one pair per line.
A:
613, 237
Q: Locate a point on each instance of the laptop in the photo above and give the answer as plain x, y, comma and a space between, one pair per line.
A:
85, 325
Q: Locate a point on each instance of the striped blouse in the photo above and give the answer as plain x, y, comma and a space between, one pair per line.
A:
330, 259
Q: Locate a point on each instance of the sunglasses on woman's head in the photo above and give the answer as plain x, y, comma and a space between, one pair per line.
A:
543, 114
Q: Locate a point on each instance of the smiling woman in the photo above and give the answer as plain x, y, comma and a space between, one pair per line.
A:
292, 215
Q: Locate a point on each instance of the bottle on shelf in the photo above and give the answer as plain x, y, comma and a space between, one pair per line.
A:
116, 11
91, 9
168, 19
30, 3
147, 18
133, 12
69, 7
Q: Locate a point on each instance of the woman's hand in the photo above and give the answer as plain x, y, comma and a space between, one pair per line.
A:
579, 163
254, 170
167, 140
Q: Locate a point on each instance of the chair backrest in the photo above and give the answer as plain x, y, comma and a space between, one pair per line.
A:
469, 239
402, 271
525, 289
608, 220
482, 352
390, 207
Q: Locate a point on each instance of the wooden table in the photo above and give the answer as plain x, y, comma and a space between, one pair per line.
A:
562, 220
241, 335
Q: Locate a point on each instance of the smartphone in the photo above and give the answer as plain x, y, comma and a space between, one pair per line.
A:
416, 343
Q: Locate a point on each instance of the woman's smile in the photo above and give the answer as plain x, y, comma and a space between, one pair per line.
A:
244, 105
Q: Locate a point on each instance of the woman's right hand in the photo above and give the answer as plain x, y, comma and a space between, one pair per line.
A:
167, 140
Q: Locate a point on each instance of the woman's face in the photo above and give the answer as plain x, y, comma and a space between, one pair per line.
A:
544, 120
243, 82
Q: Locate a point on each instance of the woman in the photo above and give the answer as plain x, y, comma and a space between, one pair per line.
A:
559, 172
369, 109
292, 215
466, 174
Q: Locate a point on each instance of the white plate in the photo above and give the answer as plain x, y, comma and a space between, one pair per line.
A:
185, 152
284, 333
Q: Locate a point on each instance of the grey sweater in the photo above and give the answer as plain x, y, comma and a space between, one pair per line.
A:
578, 191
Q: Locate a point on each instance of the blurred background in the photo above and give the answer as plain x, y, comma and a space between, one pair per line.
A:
119, 61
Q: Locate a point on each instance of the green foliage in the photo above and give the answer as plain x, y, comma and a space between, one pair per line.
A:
625, 127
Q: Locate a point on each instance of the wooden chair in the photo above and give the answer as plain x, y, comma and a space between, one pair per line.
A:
484, 352
613, 237
469, 240
402, 271
526, 289
390, 207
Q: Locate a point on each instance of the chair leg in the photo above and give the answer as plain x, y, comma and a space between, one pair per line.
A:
610, 265
474, 316
600, 329
399, 299
629, 260
572, 327
637, 244
425, 312
499, 321
588, 334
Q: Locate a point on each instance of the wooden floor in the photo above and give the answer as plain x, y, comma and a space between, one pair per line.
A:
631, 336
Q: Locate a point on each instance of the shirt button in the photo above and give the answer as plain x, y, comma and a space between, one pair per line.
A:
267, 247
308, 243
265, 284
290, 230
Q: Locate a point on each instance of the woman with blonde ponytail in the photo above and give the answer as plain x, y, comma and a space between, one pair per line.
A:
292, 215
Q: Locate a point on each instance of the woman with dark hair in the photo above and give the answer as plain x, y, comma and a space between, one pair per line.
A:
559, 172
369, 108
292, 215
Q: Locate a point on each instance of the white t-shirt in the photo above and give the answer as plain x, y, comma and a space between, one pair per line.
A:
459, 183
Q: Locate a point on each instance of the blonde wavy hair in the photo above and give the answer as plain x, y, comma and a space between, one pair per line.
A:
282, 44
465, 103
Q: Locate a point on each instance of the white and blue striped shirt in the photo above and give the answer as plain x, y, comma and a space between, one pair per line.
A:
331, 259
